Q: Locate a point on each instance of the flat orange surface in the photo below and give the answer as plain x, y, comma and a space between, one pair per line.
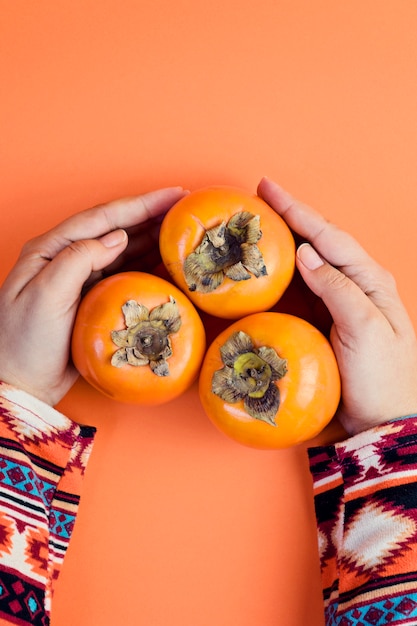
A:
178, 525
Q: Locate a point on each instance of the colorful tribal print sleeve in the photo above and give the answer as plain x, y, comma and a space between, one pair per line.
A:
366, 508
43, 456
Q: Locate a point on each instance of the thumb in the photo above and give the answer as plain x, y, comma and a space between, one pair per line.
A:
64, 276
348, 305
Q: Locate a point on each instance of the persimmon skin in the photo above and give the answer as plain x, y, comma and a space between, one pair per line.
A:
100, 312
183, 229
310, 390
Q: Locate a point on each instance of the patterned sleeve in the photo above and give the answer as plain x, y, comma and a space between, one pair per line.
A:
43, 456
366, 507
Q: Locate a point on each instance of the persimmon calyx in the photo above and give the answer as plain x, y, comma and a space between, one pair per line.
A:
228, 249
249, 374
145, 340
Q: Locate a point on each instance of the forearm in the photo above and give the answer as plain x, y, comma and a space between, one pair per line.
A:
43, 456
366, 506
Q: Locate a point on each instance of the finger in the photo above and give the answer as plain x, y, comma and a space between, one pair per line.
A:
140, 254
339, 249
349, 306
147, 263
61, 281
102, 219
89, 224
143, 243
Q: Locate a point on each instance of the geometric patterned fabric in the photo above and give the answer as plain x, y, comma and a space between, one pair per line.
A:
43, 456
365, 491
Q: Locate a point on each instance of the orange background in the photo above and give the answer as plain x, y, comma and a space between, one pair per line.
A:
101, 99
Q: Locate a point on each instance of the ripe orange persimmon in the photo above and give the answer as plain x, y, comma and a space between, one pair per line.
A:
228, 250
138, 339
270, 380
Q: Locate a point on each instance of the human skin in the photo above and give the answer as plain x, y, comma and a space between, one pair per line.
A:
40, 296
371, 333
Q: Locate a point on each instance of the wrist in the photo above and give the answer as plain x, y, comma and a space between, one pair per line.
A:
353, 429
49, 394
29, 403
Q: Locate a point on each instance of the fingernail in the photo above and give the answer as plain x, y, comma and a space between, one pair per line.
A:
309, 257
113, 239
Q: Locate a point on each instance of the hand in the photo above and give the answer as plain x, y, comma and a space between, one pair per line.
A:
39, 298
372, 335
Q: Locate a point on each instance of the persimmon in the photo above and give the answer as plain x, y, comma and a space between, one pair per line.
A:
270, 380
228, 250
138, 339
